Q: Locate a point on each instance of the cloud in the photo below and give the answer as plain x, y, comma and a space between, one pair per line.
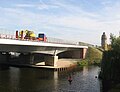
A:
40, 5
25, 5
37, 6
67, 21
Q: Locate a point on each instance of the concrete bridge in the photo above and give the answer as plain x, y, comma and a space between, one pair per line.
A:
32, 52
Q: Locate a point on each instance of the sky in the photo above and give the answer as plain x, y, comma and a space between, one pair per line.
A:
75, 20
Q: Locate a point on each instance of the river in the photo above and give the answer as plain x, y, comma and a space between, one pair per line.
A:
14, 79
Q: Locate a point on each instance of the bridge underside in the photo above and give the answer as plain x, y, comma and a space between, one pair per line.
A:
34, 58
31, 49
73, 54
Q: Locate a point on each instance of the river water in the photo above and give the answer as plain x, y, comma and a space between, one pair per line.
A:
15, 79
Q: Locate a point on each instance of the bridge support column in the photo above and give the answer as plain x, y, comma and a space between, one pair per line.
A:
51, 60
25, 58
84, 51
4, 58
31, 58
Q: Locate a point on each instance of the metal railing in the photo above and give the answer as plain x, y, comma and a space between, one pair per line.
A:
49, 39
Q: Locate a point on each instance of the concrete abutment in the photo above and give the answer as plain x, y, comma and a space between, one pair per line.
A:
51, 60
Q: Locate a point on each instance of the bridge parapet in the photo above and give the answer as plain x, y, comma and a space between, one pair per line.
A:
62, 41
49, 39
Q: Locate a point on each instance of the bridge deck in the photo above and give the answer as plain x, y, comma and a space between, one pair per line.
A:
32, 43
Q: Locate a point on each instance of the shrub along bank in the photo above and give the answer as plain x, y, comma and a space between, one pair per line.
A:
93, 56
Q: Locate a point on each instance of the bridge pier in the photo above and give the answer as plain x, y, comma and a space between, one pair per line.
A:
31, 58
84, 51
4, 57
51, 60
23, 58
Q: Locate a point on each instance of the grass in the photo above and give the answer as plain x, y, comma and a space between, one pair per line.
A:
93, 56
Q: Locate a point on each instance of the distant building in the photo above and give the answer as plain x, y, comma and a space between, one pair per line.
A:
104, 41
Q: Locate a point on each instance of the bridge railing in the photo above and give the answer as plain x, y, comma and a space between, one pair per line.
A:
6, 36
62, 41
49, 39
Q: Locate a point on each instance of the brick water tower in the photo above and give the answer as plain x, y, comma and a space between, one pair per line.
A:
104, 41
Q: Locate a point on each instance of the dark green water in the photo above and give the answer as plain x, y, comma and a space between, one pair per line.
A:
40, 80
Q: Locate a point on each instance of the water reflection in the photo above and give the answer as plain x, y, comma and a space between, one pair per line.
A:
41, 80
55, 80
85, 71
14, 79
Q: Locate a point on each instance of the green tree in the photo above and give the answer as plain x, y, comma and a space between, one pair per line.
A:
110, 66
115, 43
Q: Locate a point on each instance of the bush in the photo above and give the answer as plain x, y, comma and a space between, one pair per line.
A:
83, 62
94, 55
